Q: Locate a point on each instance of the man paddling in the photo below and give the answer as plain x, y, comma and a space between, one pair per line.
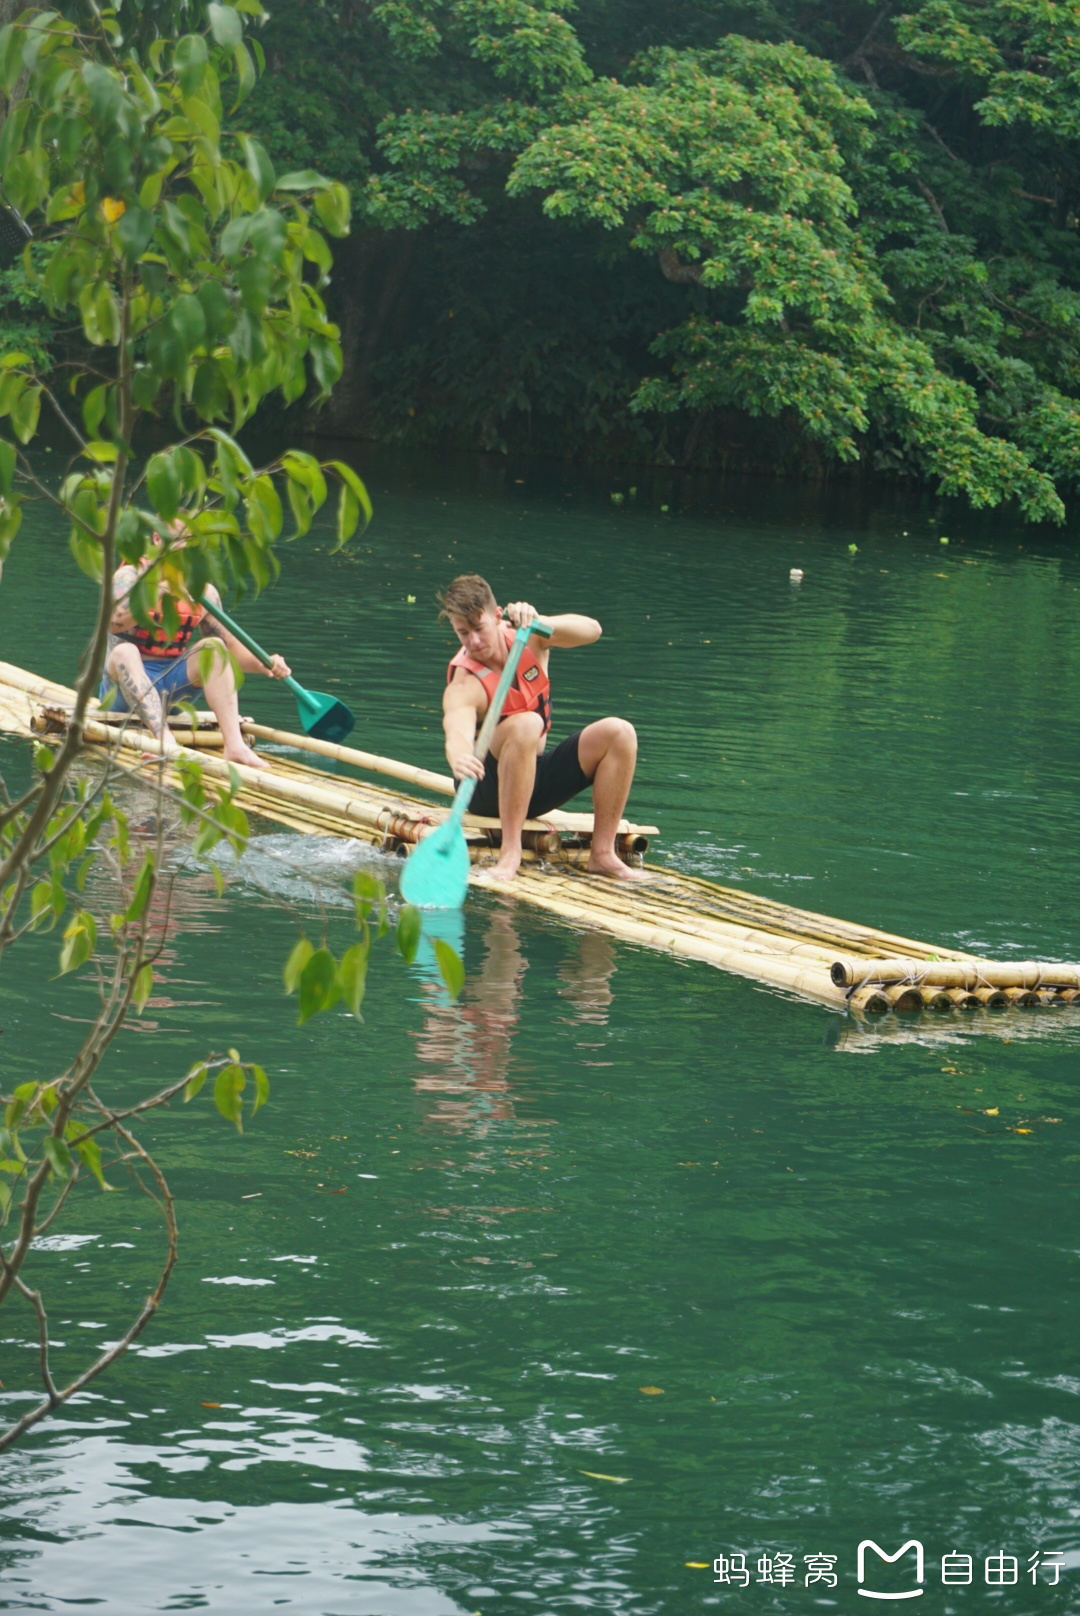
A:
518, 779
147, 668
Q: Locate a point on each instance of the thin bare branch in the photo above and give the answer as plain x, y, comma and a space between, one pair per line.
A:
63, 416
60, 1199
164, 1201
35, 1300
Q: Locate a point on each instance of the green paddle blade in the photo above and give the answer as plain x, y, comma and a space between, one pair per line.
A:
323, 716
436, 873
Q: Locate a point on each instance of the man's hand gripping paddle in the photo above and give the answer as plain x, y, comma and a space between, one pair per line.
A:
436, 873
322, 716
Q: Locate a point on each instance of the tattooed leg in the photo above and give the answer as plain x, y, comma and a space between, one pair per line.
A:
125, 668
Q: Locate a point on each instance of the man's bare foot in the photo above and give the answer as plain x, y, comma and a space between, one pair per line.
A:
611, 865
244, 754
505, 870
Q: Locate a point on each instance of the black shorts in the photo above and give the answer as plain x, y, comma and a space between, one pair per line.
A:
559, 776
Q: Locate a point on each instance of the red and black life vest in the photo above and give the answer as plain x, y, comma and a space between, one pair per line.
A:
530, 691
151, 642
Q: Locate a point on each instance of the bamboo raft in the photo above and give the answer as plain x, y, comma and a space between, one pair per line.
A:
838, 963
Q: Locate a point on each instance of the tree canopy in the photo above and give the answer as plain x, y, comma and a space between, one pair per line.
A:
745, 234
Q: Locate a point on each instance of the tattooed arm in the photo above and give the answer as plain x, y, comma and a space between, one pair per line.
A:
124, 580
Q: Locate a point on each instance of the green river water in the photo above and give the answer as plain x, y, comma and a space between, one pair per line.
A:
404, 1352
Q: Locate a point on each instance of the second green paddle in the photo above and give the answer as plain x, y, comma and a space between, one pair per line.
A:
322, 716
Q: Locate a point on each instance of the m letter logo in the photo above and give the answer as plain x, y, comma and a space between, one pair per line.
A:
890, 1559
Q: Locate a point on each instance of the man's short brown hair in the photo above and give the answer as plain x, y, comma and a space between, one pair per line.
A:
467, 597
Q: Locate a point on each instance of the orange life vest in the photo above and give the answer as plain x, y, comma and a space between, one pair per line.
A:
530, 691
151, 642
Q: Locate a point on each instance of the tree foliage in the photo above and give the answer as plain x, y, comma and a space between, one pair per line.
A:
864, 219
195, 274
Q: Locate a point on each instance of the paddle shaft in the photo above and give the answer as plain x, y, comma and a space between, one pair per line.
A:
494, 713
245, 639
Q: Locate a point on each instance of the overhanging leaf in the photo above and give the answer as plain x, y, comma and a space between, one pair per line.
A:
409, 927
319, 986
229, 1088
451, 967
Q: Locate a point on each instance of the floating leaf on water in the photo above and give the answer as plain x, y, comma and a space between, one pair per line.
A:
697, 1565
652, 1391
211, 1405
598, 1475
992, 1111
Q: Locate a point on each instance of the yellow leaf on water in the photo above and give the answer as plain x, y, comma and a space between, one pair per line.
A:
697, 1565
1023, 1130
652, 1391
992, 1111
598, 1475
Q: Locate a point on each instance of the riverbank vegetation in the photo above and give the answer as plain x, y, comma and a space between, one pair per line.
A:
773, 237
768, 238
780, 236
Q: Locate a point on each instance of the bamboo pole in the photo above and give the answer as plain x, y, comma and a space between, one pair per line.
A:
969, 976
313, 824
424, 778
427, 779
807, 918
992, 997
689, 893
869, 1001
904, 998
542, 833
352, 800
804, 977
264, 783
846, 938
605, 897
32, 684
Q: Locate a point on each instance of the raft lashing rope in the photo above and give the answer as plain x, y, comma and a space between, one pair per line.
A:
835, 962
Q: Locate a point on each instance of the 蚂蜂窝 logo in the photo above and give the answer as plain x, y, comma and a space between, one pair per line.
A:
891, 1559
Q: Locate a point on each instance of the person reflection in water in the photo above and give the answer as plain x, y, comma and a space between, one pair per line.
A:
586, 979
466, 1046
469, 1041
